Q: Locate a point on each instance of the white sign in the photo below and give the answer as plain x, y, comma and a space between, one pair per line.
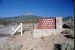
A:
45, 32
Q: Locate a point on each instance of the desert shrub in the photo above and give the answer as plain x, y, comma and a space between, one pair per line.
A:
68, 34
16, 47
10, 46
66, 26
67, 45
65, 32
57, 46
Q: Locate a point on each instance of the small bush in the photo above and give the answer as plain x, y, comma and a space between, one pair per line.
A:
64, 46
10, 46
65, 32
66, 26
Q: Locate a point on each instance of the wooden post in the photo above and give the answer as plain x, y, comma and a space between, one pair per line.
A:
21, 29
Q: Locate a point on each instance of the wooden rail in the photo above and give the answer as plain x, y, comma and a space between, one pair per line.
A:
19, 27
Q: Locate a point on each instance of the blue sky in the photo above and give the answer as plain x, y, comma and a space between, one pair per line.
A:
10, 8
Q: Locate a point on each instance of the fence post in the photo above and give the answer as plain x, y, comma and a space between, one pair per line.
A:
21, 29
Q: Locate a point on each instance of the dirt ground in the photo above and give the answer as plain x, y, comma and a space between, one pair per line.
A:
40, 43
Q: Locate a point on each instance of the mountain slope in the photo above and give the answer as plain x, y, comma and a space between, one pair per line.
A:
31, 19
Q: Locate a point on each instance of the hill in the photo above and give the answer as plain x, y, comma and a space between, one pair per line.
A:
22, 18
27, 19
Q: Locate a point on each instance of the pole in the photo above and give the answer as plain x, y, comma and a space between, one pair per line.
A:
21, 29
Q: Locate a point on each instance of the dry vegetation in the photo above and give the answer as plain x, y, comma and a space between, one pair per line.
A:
62, 41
